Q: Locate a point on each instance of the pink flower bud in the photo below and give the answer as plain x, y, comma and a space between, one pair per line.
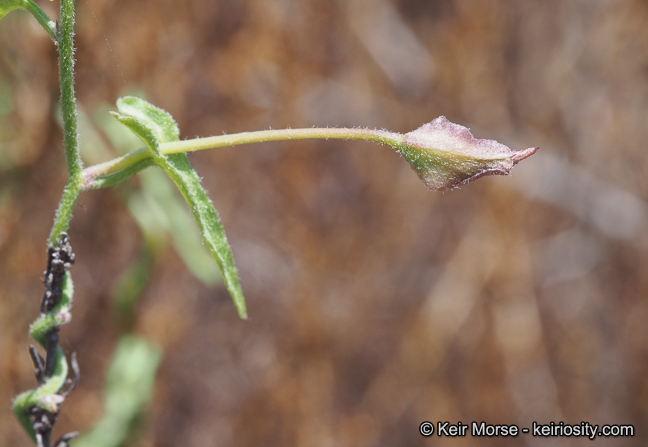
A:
446, 155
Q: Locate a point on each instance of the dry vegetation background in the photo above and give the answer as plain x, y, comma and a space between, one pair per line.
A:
375, 304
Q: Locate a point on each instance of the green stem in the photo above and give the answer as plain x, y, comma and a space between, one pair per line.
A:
68, 102
43, 19
66, 206
377, 136
70, 133
108, 173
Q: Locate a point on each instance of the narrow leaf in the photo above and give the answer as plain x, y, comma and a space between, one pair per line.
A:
155, 126
187, 180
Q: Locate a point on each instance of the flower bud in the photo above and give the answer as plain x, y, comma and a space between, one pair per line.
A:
446, 155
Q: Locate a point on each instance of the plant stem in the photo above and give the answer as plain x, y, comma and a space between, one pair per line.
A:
377, 136
117, 165
43, 19
64, 212
70, 134
68, 102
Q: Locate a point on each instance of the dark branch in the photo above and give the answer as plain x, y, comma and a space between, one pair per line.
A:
59, 261
39, 364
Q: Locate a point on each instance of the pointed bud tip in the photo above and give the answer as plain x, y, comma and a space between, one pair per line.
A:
518, 156
446, 155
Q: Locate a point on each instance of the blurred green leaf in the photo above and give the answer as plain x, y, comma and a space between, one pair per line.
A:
179, 224
129, 386
130, 287
6, 6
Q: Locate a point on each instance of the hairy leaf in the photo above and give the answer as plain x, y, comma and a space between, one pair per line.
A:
155, 126
158, 120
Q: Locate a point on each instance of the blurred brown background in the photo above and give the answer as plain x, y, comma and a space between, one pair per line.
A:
375, 304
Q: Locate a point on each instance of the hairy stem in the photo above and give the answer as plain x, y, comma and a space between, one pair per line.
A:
109, 173
68, 102
65, 209
70, 133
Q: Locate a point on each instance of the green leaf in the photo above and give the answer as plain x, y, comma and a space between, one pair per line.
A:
158, 194
6, 6
155, 126
206, 217
160, 121
129, 386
